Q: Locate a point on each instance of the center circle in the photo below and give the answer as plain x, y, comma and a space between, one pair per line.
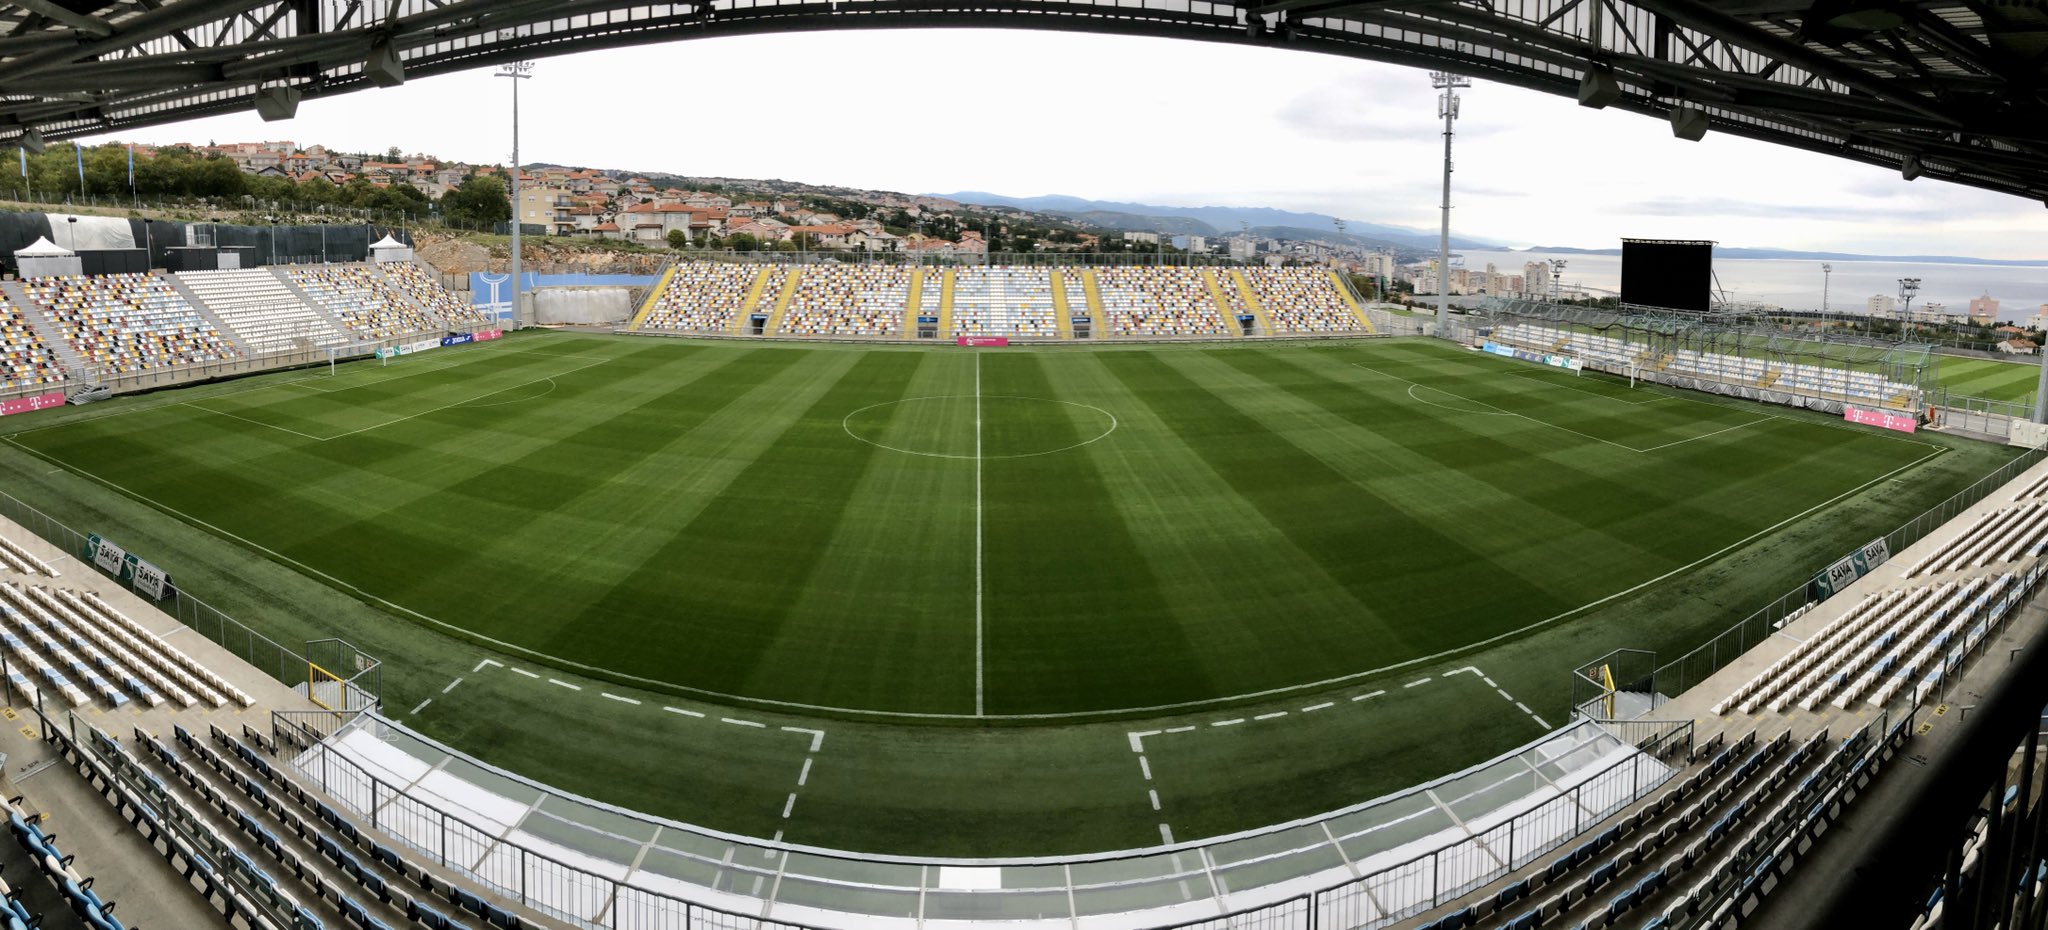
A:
989, 426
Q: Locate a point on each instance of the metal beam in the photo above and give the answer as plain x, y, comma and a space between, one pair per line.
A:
90, 25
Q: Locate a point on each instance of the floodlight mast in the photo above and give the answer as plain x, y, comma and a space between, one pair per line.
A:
517, 71
1446, 107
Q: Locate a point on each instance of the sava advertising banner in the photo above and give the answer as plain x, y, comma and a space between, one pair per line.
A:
1554, 361
120, 563
15, 405
1831, 580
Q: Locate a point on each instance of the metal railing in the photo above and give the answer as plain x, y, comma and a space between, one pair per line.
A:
1683, 673
1504, 814
281, 662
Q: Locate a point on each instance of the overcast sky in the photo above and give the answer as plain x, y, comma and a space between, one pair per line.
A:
1157, 121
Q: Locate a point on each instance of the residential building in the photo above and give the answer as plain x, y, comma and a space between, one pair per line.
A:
1984, 309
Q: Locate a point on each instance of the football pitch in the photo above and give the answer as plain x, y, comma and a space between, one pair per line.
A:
961, 533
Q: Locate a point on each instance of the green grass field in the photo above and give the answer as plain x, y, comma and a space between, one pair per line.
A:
955, 533
1982, 377
837, 537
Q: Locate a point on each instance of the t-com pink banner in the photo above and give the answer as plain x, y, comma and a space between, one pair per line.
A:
483, 335
1903, 422
984, 340
16, 405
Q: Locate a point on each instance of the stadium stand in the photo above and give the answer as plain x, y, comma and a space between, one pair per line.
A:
848, 300
127, 323
261, 310
34, 608
1004, 300
1302, 300
1856, 387
173, 662
25, 362
59, 869
16, 558
703, 297
1158, 301
422, 289
359, 297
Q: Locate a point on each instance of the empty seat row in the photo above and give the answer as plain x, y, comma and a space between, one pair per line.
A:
59, 869
261, 310
16, 557
124, 324
140, 675
189, 672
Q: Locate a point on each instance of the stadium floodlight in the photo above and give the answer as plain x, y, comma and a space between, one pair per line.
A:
517, 71
1688, 123
274, 104
32, 140
1446, 107
1826, 271
384, 68
1557, 280
1910, 167
1599, 88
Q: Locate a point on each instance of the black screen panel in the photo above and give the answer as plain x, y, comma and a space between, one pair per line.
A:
1674, 275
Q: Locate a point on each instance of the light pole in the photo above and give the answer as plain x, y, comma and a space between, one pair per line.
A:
1826, 271
1446, 107
517, 71
1557, 280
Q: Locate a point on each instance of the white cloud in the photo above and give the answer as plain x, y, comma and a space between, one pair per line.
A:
1162, 121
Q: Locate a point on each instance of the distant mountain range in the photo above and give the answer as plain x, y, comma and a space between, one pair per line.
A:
1793, 255
1222, 221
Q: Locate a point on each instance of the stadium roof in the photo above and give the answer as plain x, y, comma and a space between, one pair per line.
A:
1946, 88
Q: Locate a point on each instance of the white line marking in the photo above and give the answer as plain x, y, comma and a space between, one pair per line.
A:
451, 686
510, 647
525, 672
1316, 707
743, 723
1154, 792
1712, 434
817, 736
1186, 729
804, 775
1368, 697
237, 416
1138, 738
1503, 693
558, 681
455, 404
978, 706
1145, 767
1489, 681
778, 837
622, 700
480, 666
788, 805
1270, 716
1227, 723
1166, 834
423, 706
1416, 683
1462, 671
1539, 720
1524, 708
686, 713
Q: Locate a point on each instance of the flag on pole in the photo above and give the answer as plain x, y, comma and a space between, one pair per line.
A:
79, 151
131, 167
24, 161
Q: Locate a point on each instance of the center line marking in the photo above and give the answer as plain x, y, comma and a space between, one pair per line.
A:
451, 686
525, 672
742, 723
423, 706
622, 700
804, 775
978, 691
558, 681
1422, 681
1271, 715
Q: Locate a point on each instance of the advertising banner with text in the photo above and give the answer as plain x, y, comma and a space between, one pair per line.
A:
984, 340
462, 339
16, 405
486, 335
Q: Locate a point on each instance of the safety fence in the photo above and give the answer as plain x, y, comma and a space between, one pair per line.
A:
1656, 687
1484, 823
361, 685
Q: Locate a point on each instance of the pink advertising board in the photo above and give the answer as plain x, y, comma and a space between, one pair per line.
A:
984, 340
1903, 422
482, 335
16, 405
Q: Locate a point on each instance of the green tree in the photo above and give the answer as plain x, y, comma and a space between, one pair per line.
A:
479, 200
678, 239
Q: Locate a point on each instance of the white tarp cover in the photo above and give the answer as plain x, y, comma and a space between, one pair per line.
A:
91, 233
389, 243
44, 248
